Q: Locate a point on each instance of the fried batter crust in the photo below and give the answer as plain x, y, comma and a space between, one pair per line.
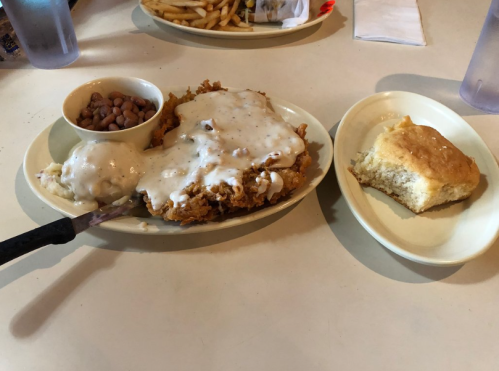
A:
207, 203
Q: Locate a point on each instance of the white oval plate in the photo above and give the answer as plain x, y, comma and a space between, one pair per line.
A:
55, 142
260, 30
445, 235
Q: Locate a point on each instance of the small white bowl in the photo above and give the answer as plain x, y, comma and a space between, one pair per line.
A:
139, 135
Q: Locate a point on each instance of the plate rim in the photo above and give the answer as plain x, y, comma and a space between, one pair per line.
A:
200, 228
236, 35
357, 210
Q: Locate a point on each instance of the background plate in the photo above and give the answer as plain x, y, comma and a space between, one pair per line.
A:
445, 235
55, 142
260, 30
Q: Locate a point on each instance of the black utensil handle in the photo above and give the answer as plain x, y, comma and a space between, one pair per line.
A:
60, 231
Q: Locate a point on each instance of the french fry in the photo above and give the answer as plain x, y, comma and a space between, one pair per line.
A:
234, 8
224, 12
221, 4
200, 11
242, 24
172, 9
235, 19
158, 13
157, 6
191, 3
211, 24
217, 15
234, 29
201, 22
151, 9
231, 13
180, 17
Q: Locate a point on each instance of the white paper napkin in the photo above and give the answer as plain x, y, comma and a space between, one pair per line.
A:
301, 15
397, 21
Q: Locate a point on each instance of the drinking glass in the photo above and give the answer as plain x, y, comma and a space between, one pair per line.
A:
45, 31
480, 87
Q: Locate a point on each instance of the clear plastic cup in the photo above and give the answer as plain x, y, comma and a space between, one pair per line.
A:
480, 87
45, 31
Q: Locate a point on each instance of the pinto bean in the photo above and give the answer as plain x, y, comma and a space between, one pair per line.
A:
116, 112
130, 123
127, 106
105, 111
86, 113
96, 96
130, 115
115, 94
149, 114
138, 101
118, 102
85, 123
120, 120
108, 120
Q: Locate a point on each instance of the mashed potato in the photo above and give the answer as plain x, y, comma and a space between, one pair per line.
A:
96, 172
50, 178
102, 171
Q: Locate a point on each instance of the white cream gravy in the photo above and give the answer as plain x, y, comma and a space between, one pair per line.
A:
220, 135
102, 171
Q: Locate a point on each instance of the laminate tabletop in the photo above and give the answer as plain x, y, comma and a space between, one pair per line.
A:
305, 289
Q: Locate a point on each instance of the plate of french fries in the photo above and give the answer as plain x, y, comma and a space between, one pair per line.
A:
219, 18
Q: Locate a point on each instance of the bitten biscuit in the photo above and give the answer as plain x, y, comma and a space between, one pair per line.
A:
417, 166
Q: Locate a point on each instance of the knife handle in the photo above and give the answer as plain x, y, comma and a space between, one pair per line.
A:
58, 232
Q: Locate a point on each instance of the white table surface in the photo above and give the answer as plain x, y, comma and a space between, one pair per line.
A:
307, 289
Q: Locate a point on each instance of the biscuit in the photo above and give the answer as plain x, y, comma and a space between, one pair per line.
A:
416, 166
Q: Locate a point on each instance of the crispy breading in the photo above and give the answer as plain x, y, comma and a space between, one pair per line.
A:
207, 203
